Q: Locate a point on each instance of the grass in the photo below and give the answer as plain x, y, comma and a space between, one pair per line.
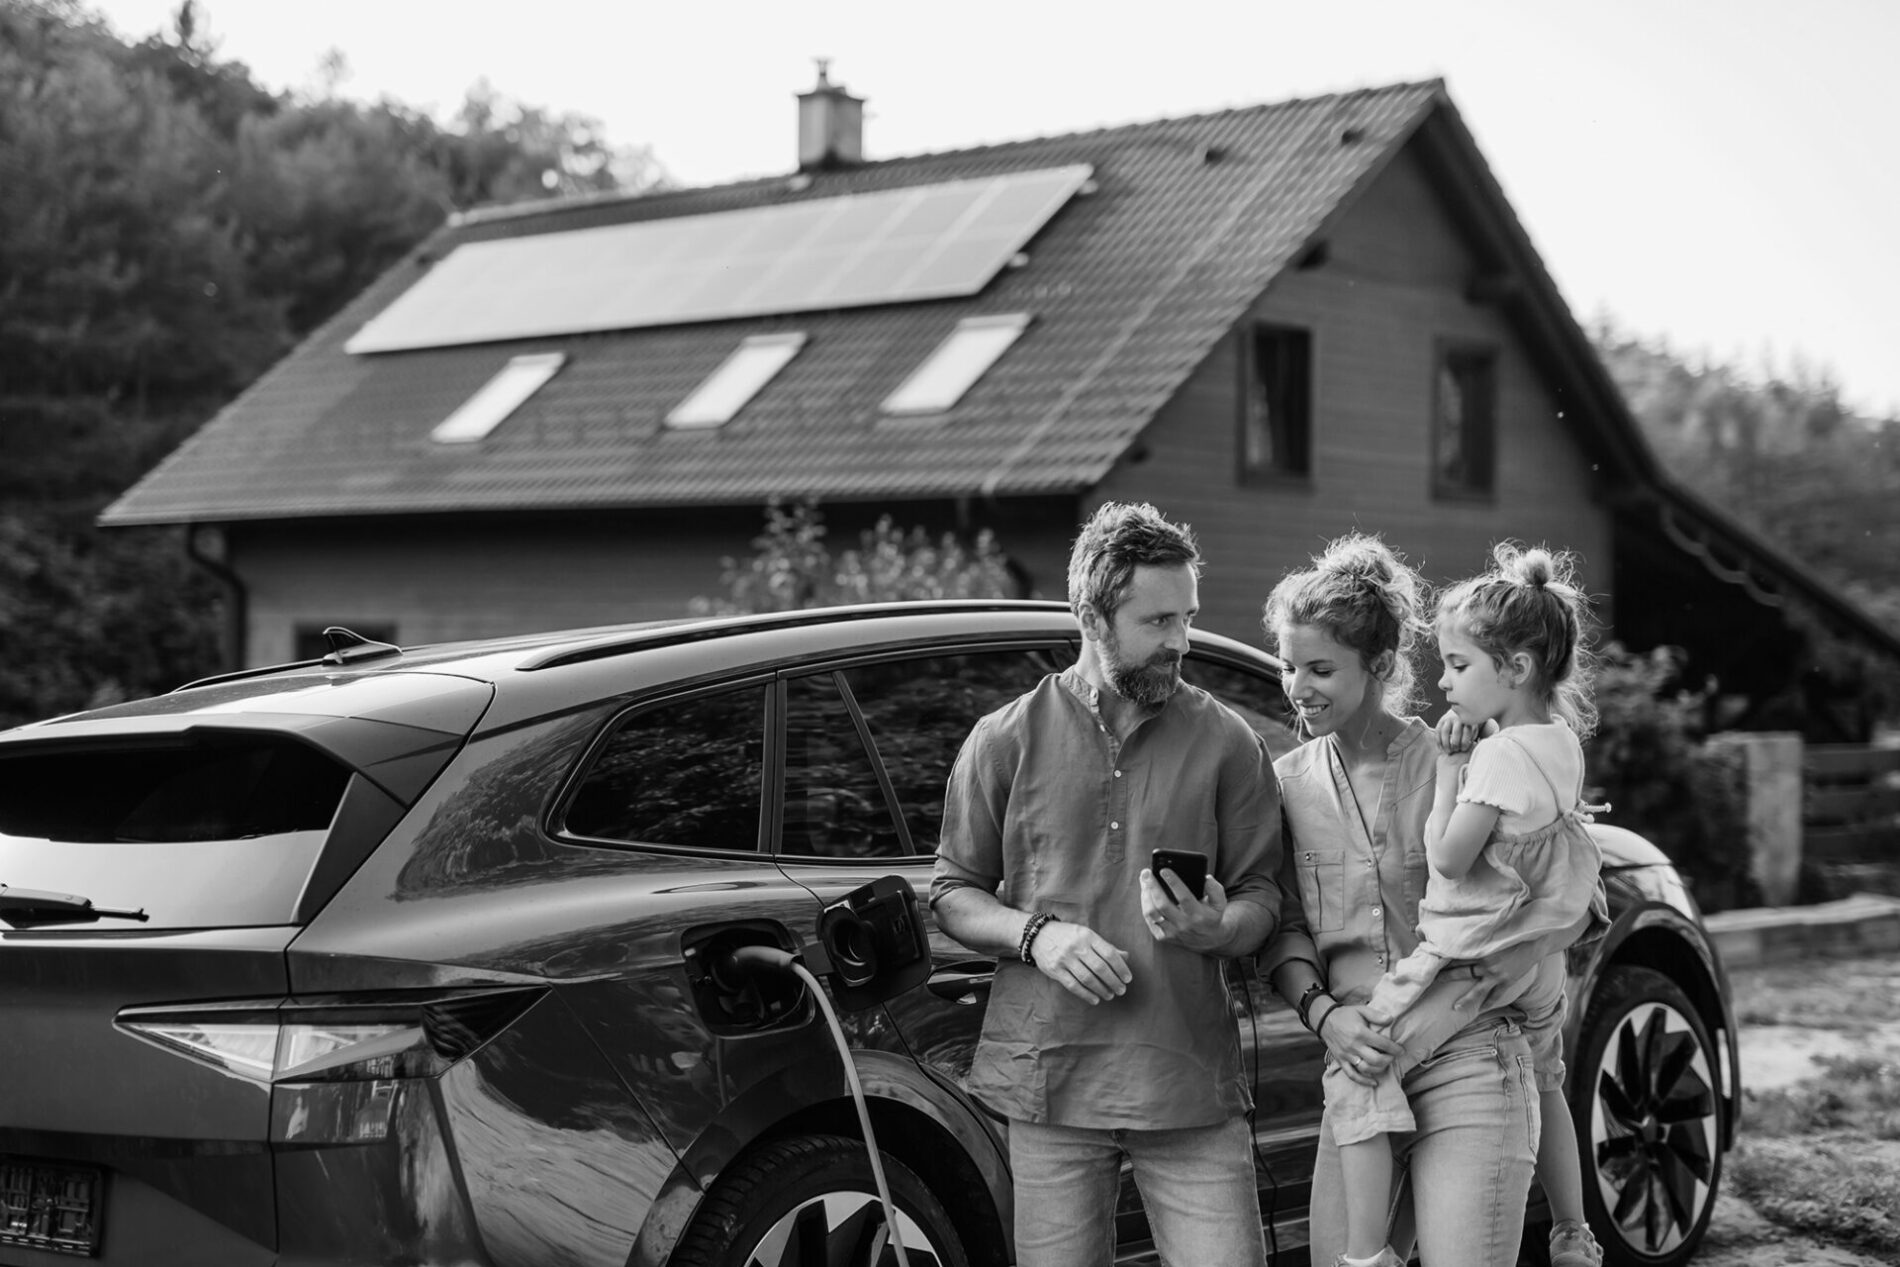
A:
1822, 1157
1852, 995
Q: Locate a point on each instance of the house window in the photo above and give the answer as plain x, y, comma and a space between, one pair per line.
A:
738, 379
308, 642
1276, 420
950, 371
500, 396
1464, 421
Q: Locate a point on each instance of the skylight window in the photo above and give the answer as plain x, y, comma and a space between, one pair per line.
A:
950, 371
500, 396
743, 374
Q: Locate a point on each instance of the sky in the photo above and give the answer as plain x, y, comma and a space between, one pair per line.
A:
1723, 175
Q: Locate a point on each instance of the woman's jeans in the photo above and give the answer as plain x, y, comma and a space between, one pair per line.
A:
1197, 1185
1462, 1177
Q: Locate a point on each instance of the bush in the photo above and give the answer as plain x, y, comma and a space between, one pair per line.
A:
791, 567
1647, 759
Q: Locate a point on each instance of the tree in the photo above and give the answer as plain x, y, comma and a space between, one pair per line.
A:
1780, 452
168, 229
791, 567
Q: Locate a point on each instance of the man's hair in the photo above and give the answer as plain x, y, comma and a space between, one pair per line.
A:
1118, 538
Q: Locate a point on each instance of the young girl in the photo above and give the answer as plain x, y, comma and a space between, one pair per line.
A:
1511, 862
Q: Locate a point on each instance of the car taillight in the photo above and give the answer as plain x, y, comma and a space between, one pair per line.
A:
333, 1039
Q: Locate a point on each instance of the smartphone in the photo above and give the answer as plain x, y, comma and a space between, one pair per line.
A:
1189, 868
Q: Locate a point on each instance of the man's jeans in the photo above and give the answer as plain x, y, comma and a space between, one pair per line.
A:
1463, 1176
1197, 1184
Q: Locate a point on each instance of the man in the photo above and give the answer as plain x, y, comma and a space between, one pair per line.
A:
1108, 1030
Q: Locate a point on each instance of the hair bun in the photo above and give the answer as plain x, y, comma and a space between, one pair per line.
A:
1358, 557
1534, 566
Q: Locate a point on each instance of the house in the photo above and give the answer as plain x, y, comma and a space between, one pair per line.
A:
1277, 323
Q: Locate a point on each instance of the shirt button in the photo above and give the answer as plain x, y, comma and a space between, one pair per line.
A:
1118, 774
1114, 826
1375, 910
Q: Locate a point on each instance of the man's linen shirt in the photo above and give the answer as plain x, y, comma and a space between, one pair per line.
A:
1048, 812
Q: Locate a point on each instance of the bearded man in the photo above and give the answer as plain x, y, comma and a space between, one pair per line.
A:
1109, 1031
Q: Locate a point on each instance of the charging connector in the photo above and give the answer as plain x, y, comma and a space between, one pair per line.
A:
740, 964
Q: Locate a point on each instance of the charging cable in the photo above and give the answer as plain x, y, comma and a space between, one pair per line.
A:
749, 959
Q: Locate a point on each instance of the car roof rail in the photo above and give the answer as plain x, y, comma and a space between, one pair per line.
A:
718, 627
346, 647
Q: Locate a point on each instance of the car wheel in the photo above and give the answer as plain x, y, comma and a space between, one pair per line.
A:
1649, 1118
814, 1200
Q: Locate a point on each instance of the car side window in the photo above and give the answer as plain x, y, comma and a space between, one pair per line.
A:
1255, 696
920, 711
834, 804
687, 772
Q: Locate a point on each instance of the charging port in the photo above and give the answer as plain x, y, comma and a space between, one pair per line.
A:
735, 1002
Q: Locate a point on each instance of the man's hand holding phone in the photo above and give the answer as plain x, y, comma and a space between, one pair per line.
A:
1181, 903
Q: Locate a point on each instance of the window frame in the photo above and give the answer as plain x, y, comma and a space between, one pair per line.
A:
866, 743
1277, 469
910, 400
840, 666
1449, 356
499, 398
771, 723
736, 381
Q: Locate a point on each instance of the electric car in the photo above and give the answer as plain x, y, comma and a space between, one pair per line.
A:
433, 956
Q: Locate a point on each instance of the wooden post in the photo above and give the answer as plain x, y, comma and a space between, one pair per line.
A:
1772, 808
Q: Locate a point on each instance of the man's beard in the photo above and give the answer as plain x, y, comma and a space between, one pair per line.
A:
1148, 684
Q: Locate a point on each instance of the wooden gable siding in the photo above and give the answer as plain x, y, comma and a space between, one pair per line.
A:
1391, 288
439, 578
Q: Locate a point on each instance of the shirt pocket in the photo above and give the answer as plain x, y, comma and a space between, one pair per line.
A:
1323, 889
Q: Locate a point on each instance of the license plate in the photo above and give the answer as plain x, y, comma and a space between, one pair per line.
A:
48, 1206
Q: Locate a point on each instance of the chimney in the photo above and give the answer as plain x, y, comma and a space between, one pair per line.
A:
830, 124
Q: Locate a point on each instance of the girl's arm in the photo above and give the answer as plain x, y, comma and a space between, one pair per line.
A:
1455, 833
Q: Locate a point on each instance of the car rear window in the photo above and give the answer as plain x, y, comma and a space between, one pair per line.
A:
210, 833
231, 790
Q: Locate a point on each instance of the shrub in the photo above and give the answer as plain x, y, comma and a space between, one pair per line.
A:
791, 567
1648, 761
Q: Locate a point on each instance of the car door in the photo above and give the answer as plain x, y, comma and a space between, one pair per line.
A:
867, 748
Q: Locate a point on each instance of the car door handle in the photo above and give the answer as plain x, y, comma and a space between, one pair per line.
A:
966, 982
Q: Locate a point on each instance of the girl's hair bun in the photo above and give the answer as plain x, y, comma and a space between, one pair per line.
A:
1533, 567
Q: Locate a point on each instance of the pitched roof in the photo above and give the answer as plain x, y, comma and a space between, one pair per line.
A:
1187, 222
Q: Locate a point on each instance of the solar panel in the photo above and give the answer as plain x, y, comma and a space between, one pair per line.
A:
891, 246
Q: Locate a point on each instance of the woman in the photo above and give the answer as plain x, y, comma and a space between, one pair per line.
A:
1356, 798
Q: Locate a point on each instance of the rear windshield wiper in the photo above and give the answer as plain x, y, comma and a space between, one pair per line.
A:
39, 905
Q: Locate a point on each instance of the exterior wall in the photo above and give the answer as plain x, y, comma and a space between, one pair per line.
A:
437, 578
1391, 289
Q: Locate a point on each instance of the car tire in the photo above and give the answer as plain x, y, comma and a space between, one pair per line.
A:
1649, 1119
813, 1199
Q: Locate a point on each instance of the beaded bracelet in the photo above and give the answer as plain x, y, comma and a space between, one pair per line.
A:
1030, 930
1306, 1001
